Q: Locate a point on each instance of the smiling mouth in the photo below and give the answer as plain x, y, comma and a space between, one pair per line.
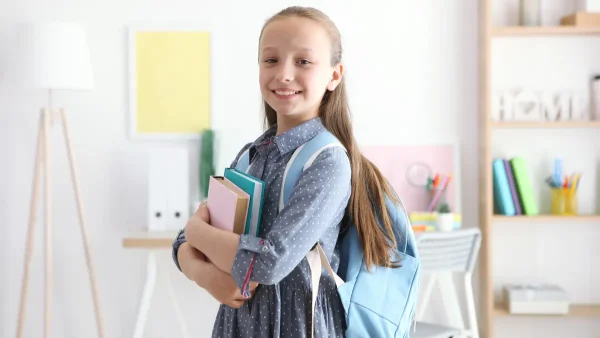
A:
286, 92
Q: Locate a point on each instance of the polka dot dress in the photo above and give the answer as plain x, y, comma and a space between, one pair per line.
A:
281, 305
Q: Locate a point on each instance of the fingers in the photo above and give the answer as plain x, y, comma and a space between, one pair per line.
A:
239, 300
198, 218
252, 289
241, 297
202, 212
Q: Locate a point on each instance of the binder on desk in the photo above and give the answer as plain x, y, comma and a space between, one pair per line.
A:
255, 188
227, 205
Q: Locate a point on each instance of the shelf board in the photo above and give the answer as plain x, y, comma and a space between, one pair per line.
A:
544, 31
548, 218
575, 310
546, 125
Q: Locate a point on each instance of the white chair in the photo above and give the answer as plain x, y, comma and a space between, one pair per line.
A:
447, 252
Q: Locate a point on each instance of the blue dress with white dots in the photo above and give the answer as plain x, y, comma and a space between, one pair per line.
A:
281, 305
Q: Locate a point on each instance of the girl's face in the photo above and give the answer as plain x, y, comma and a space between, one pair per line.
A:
295, 68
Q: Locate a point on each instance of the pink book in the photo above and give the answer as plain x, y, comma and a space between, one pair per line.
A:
227, 205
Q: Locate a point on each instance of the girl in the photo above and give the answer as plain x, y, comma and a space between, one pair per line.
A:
302, 84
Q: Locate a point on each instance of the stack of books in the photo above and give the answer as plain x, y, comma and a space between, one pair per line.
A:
427, 221
235, 202
512, 188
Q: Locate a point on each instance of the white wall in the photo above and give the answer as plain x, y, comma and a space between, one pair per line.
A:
412, 78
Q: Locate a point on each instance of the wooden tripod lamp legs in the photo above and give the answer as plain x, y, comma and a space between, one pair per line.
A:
84, 234
43, 153
39, 156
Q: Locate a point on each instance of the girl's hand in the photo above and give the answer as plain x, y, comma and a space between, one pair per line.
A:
200, 217
224, 289
207, 275
218, 283
219, 246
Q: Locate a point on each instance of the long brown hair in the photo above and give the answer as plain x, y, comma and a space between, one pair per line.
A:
369, 187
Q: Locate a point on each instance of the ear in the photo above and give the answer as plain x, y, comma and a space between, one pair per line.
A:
338, 72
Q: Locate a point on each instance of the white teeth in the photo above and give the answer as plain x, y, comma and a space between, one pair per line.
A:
285, 93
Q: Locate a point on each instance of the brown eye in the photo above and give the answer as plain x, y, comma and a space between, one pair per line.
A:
304, 62
271, 60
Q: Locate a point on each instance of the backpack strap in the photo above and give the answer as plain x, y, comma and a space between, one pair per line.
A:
302, 158
243, 162
317, 260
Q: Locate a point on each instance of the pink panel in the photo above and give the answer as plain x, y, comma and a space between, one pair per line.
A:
394, 161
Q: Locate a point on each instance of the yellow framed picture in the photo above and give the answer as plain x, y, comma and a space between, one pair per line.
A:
169, 82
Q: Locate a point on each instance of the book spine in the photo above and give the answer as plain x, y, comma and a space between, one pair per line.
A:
524, 186
513, 188
502, 189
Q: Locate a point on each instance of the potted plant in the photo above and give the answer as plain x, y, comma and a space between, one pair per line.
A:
207, 166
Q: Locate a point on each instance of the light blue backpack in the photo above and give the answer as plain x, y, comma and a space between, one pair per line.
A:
377, 303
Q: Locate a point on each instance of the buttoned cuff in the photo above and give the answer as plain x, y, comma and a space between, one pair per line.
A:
245, 258
254, 244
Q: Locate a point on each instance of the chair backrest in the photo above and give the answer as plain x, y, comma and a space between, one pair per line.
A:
454, 251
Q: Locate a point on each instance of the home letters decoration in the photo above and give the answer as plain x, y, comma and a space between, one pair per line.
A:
528, 105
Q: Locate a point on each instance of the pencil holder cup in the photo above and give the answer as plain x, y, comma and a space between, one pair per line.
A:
557, 201
571, 202
564, 201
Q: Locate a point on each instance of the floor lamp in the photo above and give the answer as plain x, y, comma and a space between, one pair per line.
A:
60, 60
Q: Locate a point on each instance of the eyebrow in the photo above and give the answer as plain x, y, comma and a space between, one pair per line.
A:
268, 48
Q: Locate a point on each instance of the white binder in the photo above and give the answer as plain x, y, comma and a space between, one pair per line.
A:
168, 188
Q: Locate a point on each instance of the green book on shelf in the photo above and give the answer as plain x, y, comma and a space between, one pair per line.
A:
524, 187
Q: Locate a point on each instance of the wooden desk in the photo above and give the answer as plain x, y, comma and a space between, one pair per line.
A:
154, 242
150, 240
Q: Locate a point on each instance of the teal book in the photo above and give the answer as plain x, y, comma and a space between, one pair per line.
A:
502, 196
255, 188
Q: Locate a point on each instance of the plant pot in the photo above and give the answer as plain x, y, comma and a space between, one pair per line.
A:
445, 222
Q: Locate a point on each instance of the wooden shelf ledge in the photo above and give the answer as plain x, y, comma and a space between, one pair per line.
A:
575, 310
544, 31
548, 218
546, 125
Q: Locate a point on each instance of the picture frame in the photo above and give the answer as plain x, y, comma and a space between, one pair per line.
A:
169, 81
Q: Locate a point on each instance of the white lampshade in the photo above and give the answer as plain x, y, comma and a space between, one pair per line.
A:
58, 56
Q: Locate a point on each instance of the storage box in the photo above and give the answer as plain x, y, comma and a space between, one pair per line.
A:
581, 19
543, 299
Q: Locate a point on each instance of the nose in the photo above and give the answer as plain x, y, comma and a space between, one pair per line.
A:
285, 73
